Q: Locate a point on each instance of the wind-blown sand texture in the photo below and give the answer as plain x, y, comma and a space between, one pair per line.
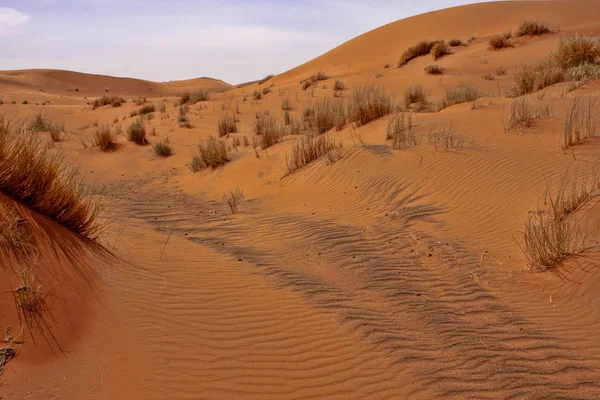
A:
381, 274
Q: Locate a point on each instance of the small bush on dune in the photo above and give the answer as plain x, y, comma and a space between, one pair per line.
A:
226, 125
368, 103
575, 51
266, 90
440, 50
306, 84
324, 115
339, 85
523, 111
211, 154
115, 101
41, 123
581, 121
319, 76
269, 130
104, 138
415, 95
463, 93
433, 69
162, 149
530, 79
488, 77
499, 42
400, 129
420, 49
308, 149
41, 178
266, 78
501, 71
532, 28
147, 109
136, 132
457, 42
195, 97
257, 94
233, 199
286, 104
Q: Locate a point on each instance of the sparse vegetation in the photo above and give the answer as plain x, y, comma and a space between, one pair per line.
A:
266, 78
581, 121
306, 84
440, 49
269, 130
339, 85
257, 94
324, 115
136, 132
233, 199
532, 28
115, 101
195, 97
463, 93
286, 104
147, 109
212, 153
433, 69
226, 125
501, 71
523, 111
41, 178
104, 138
400, 129
368, 103
319, 76
41, 123
266, 90
457, 42
499, 42
416, 95
162, 149
308, 149
420, 49
488, 77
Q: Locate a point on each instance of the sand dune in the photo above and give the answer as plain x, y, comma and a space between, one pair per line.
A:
369, 273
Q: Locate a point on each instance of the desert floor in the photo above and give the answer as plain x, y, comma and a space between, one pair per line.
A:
379, 273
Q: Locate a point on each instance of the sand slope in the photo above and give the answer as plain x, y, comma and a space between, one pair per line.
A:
384, 274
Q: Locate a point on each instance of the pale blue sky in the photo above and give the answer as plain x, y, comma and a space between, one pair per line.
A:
236, 41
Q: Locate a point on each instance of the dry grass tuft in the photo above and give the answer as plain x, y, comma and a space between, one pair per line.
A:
104, 138
306, 84
269, 130
147, 109
162, 149
308, 149
433, 69
212, 153
33, 308
440, 50
581, 121
41, 178
226, 125
577, 50
195, 97
136, 132
286, 104
266, 78
324, 115
233, 199
420, 49
533, 28
463, 93
115, 101
319, 76
339, 85
457, 42
368, 103
524, 111
416, 95
400, 129
499, 42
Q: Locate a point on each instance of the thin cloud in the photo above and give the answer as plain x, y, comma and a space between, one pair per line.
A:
10, 20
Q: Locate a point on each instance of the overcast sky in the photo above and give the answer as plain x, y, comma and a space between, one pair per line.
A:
163, 40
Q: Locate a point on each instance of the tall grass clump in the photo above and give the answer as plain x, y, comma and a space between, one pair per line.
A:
233, 199
581, 121
400, 129
42, 179
286, 104
162, 149
308, 149
210, 154
115, 101
532, 28
266, 78
226, 125
104, 138
269, 130
147, 109
416, 95
499, 42
524, 111
324, 115
194, 97
339, 85
368, 103
463, 93
433, 69
440, 50
318, 76
136, 132
420, 49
